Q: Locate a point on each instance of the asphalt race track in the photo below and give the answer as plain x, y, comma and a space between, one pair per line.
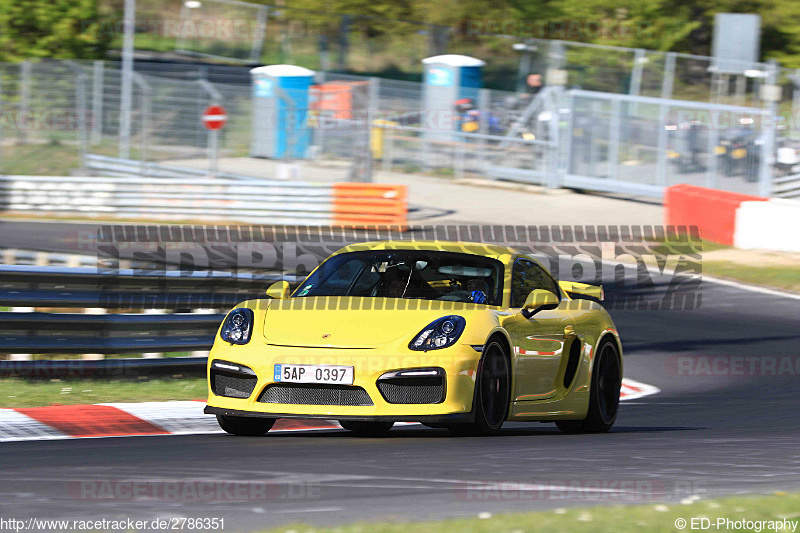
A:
702, 435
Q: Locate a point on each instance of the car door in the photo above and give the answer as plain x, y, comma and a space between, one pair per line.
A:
538, 341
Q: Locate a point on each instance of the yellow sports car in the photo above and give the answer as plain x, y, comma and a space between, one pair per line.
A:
450, 334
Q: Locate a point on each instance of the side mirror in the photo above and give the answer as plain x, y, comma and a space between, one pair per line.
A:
539, 300
278, 290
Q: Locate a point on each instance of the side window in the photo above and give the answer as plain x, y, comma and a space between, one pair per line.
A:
526, 277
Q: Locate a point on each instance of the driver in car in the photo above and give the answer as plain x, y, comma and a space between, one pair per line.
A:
477, 290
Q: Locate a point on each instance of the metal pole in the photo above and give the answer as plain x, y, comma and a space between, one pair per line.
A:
213, 135
24, 97
1, 126
484, 97
372, 111
388, 147
567, 166
126, 94
741, 89
83, 132
555, 126
344, 28
768, 148
661, 163
636, 76
144, 143
258, 35
458, 154
614, 137
97, 101
794, 125
213, 157
669, 75
712, 178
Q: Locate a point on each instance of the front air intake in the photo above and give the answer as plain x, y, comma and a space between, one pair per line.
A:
304, 394
412, 389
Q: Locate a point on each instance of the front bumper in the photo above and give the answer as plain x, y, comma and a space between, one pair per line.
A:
454, 418
459, 362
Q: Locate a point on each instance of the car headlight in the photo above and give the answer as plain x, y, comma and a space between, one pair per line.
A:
440, 333
237, 327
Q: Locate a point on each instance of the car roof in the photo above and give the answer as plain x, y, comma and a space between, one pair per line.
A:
496, 251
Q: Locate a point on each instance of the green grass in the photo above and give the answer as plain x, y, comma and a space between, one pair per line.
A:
49, 159
684, 246
73, 356
17, 392
653, 518
778, 277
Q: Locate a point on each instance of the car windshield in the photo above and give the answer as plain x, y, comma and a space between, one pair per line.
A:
411, 274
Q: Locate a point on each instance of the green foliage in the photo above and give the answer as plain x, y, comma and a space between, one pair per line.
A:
85, 29
50, 28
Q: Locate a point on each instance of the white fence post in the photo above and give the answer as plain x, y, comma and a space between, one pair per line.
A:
153, 355
202, 353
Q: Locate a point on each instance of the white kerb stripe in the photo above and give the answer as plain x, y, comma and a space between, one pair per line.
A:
16, 426
178, 417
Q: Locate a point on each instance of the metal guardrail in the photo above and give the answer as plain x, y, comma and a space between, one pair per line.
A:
194, 296
787, 186
127, 289
116, 368
75, 333
198, 198
116, 166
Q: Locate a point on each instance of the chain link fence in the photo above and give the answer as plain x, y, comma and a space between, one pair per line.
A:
604, 138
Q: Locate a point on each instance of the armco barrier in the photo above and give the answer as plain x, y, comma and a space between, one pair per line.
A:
271, 202
770, 225
711, 210
26, 330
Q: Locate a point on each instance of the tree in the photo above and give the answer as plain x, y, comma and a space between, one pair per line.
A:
51, 28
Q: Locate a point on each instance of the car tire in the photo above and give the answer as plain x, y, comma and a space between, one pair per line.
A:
492, 393
245, 426
367, 429
603, 393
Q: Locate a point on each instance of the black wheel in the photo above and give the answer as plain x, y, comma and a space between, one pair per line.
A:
492, 392
603, 394
245, 426
367, 429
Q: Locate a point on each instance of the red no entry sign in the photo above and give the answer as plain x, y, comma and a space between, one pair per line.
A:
214, 117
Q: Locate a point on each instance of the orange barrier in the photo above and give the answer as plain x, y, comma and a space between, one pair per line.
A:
370, 204
336, 98
711, 210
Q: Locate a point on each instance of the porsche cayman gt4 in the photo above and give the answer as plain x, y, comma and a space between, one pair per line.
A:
455, 335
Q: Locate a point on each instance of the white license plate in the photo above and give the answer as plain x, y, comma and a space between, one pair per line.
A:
340, 375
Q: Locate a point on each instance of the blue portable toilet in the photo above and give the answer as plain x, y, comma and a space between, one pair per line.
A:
448, 79
280, 111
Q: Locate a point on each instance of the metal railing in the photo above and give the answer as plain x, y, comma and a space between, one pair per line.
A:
571, 138
178, 312
59, 287
205, 199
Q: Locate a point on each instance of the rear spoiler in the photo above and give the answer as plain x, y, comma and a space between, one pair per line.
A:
582, 289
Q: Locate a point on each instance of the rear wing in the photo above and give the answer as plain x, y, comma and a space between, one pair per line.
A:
582, 289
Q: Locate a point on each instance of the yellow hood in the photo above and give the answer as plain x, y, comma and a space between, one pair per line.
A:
352, 322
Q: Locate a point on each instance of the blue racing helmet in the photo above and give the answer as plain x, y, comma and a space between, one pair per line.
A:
478, 297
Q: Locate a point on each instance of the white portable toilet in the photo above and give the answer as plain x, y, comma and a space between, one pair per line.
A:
447, 79
280, 111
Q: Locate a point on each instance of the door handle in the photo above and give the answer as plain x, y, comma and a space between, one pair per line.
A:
569, 332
